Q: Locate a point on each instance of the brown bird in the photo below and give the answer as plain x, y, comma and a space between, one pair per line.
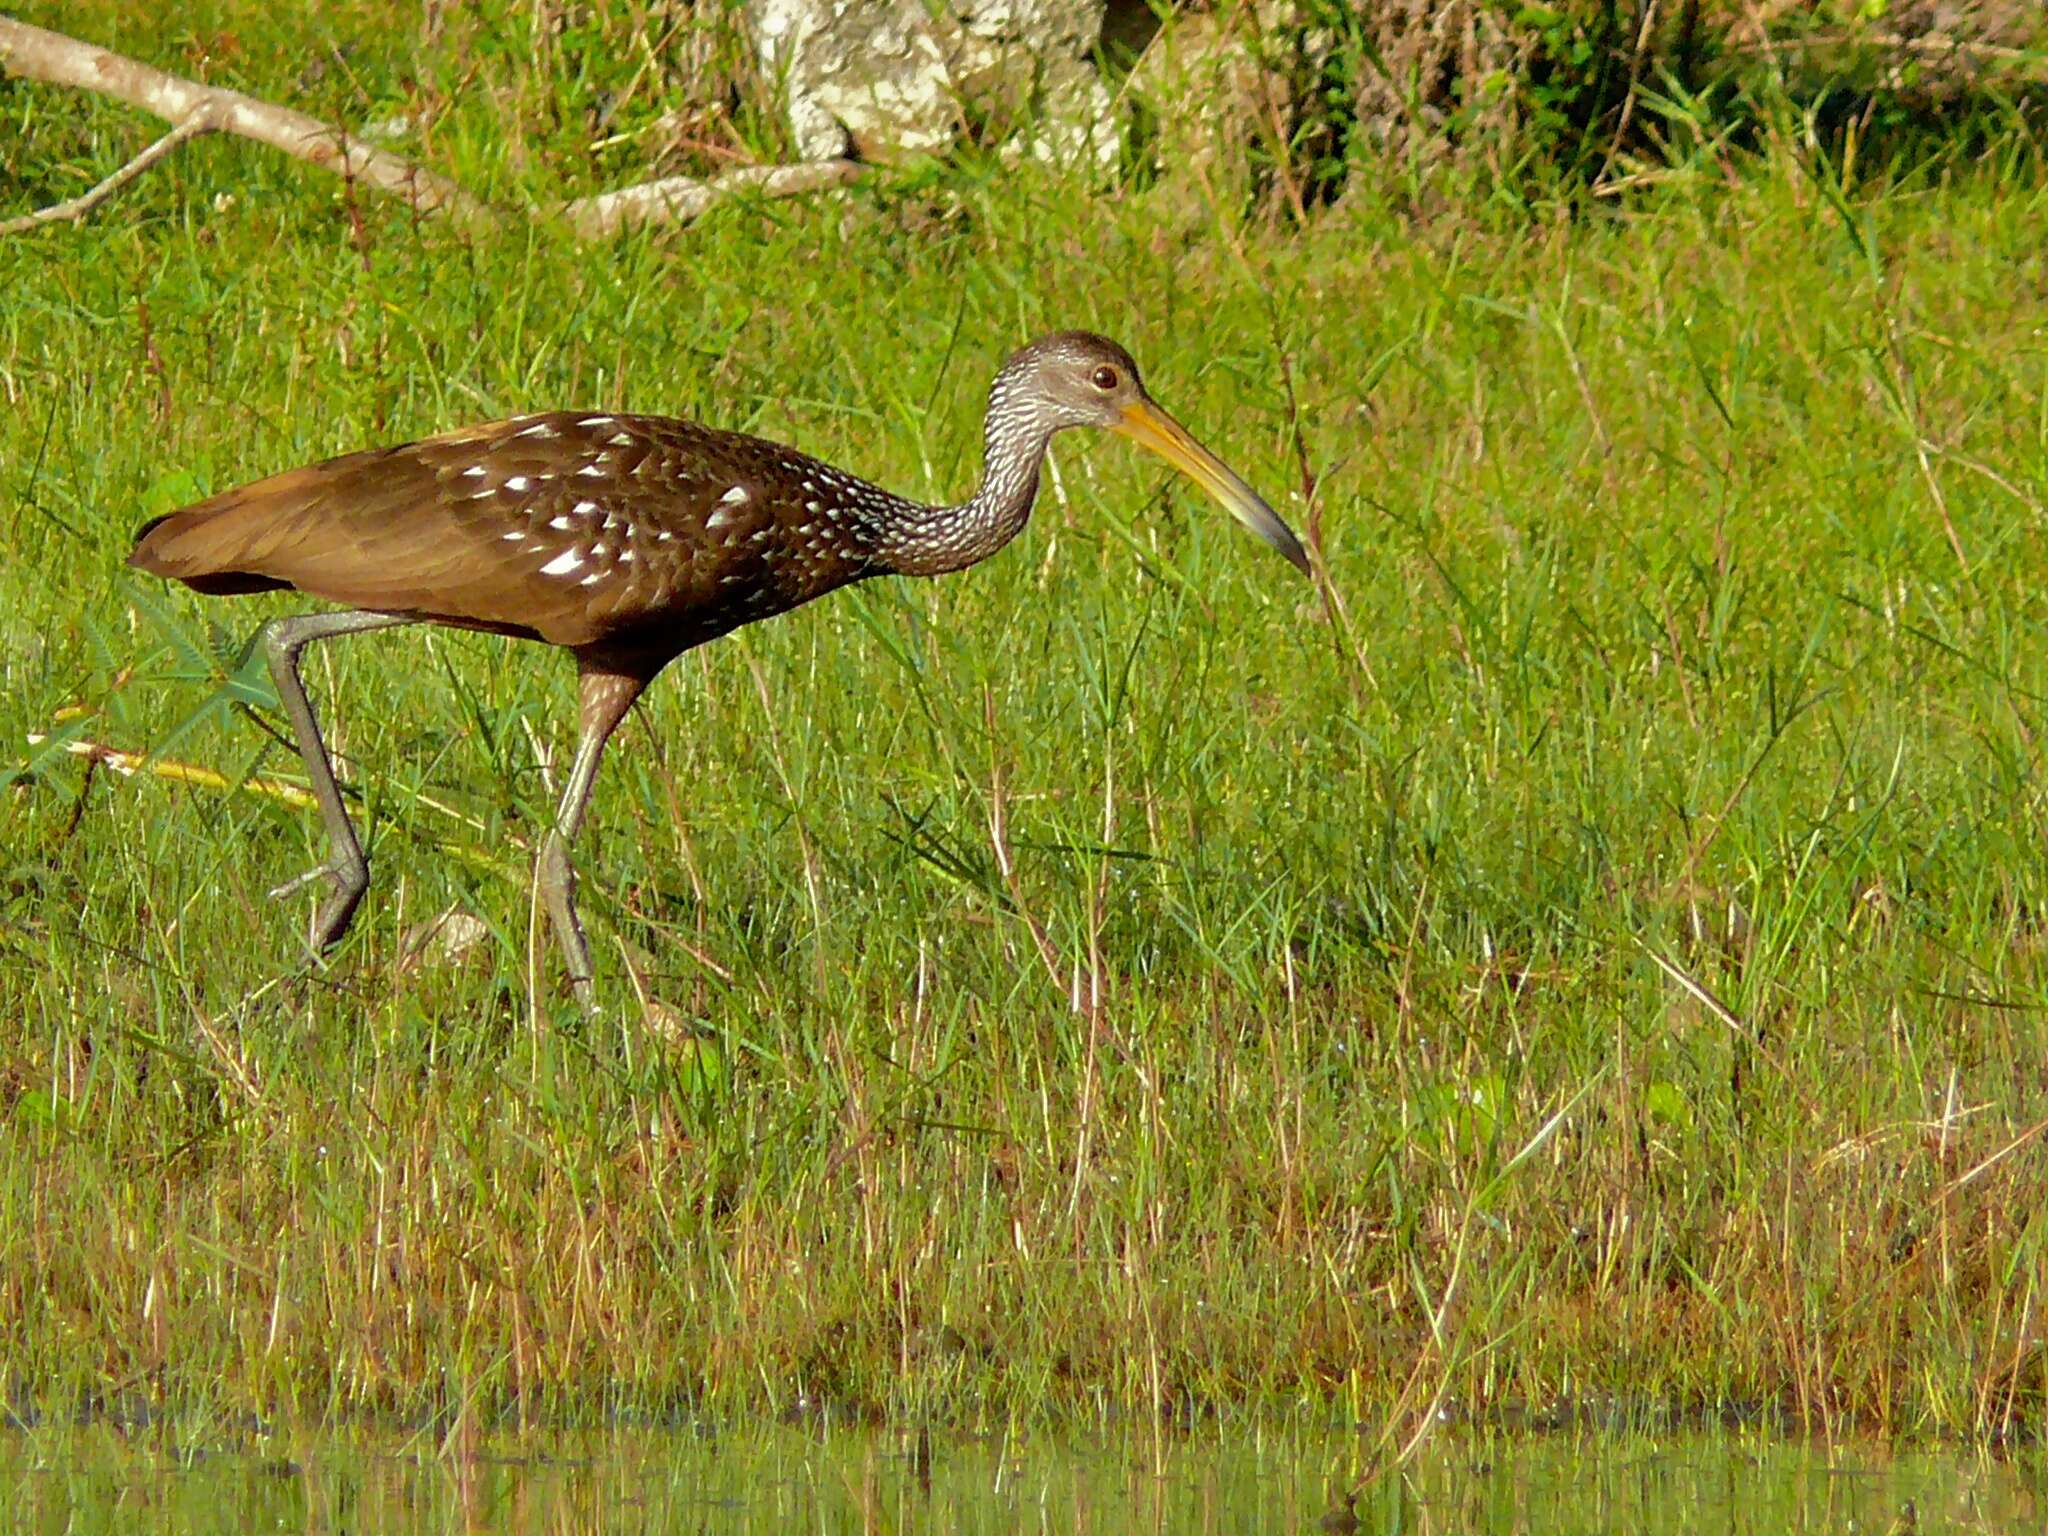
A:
627, 540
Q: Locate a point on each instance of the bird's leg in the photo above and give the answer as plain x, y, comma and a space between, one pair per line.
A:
605, 697
346, 869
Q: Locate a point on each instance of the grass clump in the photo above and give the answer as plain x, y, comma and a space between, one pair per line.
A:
1599, 952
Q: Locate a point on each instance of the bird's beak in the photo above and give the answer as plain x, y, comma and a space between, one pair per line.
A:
1143, 422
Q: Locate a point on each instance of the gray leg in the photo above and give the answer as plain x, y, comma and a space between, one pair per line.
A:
606, 696
346, 869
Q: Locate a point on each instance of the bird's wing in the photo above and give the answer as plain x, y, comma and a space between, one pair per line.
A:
577, 529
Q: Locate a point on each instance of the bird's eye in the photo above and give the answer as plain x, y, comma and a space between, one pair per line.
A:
1105, 377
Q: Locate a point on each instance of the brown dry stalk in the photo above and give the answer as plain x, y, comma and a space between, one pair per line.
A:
233, 1063
814, 879
1343, 636
999, 839
1995, 1158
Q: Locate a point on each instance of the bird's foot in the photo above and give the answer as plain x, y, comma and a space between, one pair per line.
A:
349, 877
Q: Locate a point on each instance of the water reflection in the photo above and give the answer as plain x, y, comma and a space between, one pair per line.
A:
785, 1479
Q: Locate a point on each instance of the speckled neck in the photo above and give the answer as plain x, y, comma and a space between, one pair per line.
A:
929, 541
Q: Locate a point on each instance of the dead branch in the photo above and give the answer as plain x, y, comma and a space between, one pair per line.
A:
51, 57
73, 209
679, 199
1939, 46
192, 108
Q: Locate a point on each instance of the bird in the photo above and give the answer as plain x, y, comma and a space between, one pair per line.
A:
626, 540
1341, 1518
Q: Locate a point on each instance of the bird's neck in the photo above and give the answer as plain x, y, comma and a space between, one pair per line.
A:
929, 541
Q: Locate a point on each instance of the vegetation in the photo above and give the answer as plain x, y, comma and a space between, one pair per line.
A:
1593, 947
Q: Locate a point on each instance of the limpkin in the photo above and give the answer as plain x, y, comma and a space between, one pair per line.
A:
627, 540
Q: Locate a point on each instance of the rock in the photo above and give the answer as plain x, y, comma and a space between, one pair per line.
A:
446, 940
865, 75
1029, 60
887, 79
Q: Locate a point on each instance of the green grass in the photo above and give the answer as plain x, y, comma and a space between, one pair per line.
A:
1608, 958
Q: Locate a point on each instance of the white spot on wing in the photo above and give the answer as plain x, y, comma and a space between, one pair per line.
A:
596, 470
474, 470
733, 497
539, 429
622, 439
719, 519
584, 507
515, 535
561, 524
595, 421
517, 483
563, 564
593, 579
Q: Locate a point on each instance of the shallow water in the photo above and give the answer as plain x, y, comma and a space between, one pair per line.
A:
785, 1479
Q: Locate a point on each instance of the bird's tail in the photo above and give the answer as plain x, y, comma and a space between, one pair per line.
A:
177, 545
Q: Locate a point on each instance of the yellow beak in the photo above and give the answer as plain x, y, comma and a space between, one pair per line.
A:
1143, 422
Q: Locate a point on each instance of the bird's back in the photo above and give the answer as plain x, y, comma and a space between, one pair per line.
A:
583, 529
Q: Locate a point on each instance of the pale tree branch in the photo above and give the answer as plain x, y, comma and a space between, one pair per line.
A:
679, 199
73, 209
55, 59
192, 108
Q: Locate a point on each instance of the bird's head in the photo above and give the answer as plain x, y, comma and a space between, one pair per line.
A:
1079, 379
